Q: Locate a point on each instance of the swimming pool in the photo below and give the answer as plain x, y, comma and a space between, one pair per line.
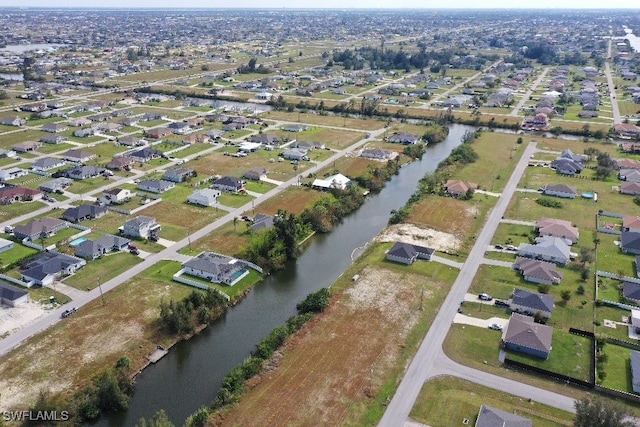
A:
78, 241
587, 195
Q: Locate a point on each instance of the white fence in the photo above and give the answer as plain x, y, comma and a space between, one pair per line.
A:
178, 278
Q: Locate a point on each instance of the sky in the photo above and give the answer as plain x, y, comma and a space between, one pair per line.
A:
334, 4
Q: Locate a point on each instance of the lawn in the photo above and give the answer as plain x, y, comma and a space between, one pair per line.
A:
614, 314
294, 199
234, 200
259, 186
228, 240
314, 119
447, 401
617, 368
17, 253
513, 234
571, 355
612, 259
19, 208
102, 269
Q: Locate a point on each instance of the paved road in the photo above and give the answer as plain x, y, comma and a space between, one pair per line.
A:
612, 94
43, 323
527, 95
430, 361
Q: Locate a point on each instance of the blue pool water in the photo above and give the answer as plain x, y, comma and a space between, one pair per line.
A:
587, 195
77, 241
237, 275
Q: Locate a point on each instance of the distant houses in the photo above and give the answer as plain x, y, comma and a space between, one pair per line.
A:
404, 138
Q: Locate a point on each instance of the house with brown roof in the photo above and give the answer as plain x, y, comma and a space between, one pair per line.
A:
539, 122
631, 223
26, 146
78, 156
558, 228
404, 138
158, 133
626, 130
523, 335
119, 163
537, 271
37, 228
630, 188
627, 164
457, 188
13, 121
10, 194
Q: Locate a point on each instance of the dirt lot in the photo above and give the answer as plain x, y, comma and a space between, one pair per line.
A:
409, 233
338, 361
12, 319
444, 213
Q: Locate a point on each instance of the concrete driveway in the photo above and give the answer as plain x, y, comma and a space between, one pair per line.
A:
463, 319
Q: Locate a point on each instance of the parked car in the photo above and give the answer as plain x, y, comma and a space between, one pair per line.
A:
501, 303
485, 297
495, 327
499, 247
69, 312
511, 248
134, 251
132, 246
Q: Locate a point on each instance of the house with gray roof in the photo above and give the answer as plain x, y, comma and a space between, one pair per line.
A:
266, 139
629, 175
178, 174
47, 163
78, 156
404, 138
156, 185
204, 197
95, 249
37, 228
530, 303
5, 245
406, 253
255, 174
54, 127
631, 291
295, 154
229, 184
560, 190
47, 267
142, 227
53, 139
262, 222
84, 172
12, 296
216, 268
523, 335
146, 154
84, 212
547, 248
493, 417
376, 153
57, 184
630, 242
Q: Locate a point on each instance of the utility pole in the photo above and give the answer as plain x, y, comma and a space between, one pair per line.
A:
422, 299
101, 295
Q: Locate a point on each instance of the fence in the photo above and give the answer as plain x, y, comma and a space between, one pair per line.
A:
623, 343
178, 278
615, 276
610, 215
621, 305
617, 393
247, 263
567, 379
16, 281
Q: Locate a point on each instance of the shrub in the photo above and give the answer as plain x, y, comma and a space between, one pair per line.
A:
549, 203
315, 302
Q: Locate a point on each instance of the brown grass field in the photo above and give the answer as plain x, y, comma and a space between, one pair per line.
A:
68, 355
313, 119
437, 212
293, 199
337, 363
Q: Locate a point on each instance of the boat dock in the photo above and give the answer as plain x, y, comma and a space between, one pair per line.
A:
158, 354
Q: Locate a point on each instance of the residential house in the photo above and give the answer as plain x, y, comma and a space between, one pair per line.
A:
129, 121
547, 248
539, 122
262, 222
119, 163
12, 296
493, 417
295, 154
626, 130
115, 196
229, 184
631, 223
309, 145
13, 121
566, 166
5, 245
255, 174
84, 212
83, 172
629, 175
53, 139
54, 127
9, 154
47, 163
39, 228
216, 268
295, 128
156, 185
178, 174
337, 181
78, 156
406, 253
404, 138
630, 242
631, 291
457, 188
204, 197
530, 303
11, 193
525, 336
27, 146
266, 139
635, 371
84, 133
179, 128
146, 154
558, 228
55, 185
537, 271
377, 154
630, 188
158, 133
196, 138
95, 249
560, 190
627, 164
11, 173
79, 122
143, 227
49, 266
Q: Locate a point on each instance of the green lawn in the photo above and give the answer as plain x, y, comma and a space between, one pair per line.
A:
234, 200
615, 314
259, 186
570, 355
611, 259
617, 368
447, 401
104, 268
18, 209
17, 253
513, 234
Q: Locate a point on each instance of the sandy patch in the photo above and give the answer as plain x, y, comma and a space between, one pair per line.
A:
409, 233
14, 318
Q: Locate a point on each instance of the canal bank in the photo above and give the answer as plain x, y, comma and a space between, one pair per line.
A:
190, 375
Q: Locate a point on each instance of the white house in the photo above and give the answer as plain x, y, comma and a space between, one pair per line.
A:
338, 181
116, 195
5, 245
12, 173
204, 197
142, 226
12, 296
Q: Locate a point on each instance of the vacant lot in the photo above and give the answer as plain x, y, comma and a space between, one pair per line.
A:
321, 381
76, 349
447, 401
314, 119
293, 199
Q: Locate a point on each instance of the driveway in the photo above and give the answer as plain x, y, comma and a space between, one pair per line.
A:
69, 291
463, 319
447, 261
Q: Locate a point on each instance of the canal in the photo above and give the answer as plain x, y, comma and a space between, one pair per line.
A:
190, 375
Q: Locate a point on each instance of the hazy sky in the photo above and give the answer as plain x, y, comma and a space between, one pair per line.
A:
339, 4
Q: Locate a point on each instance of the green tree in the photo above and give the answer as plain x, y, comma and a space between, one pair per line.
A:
110, 397
566, 295
592, 411
160, 419
315, 302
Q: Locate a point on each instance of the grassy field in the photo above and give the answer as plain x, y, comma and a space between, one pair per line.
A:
447, 401
566, 347
228, 240
72, 352
17, 253
313, 119
293, 199
18, 209
102, 269
617, 368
